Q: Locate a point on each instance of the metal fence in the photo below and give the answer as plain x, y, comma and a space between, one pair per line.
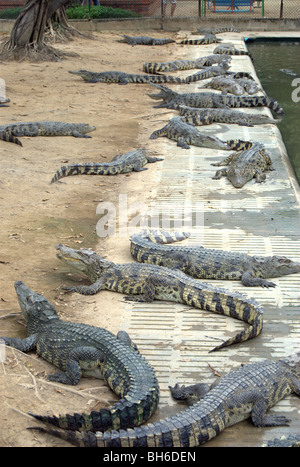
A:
272, 9
275, 9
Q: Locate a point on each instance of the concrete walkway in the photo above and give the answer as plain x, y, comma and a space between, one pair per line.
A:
262, 219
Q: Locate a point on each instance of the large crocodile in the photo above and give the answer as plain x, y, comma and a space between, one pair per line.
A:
207, 116
230, 50
125, 78
156, 67
248, 391
215, 30
11, 131
243, 166
147, 282
122, 163
209, 72
207, 39
234, 86
186, 134
206, 263
172, 99
80, 349
144, 40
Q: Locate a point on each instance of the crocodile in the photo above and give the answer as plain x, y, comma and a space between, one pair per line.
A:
207, 39
172, 99
245, 165
125, 78
144, 40
120, 164
248, 391
224, 84
249, 85
230, 50
207, 263
155, 67
11, 131
209, 72
231, 85
208, 116
147, 282
186, 134
215, 30
289, 441
80, 349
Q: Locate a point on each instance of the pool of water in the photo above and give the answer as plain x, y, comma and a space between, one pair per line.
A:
277, 64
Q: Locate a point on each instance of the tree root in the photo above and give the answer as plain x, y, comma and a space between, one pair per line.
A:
33, 52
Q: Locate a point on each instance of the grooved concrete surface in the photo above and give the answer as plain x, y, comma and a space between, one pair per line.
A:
257, 219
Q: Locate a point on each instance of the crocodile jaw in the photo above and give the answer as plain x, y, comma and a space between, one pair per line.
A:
79, 259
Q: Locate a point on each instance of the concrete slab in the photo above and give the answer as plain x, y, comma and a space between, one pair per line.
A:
259, 219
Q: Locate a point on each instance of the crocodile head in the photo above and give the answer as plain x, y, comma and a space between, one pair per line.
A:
293, 362
281, 266
85, 128
239, 177
84, 74
36, 309
86, 261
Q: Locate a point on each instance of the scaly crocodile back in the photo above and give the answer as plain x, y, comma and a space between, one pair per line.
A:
126, 372
246, 392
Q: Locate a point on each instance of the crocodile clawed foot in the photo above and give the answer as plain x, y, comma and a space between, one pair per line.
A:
268, 284
69, 289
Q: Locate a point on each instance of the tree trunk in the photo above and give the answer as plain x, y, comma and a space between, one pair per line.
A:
28, 33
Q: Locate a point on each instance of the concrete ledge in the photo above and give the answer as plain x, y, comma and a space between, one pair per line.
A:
175, 24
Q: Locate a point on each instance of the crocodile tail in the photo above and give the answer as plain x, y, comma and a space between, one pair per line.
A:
274, 105
196, 77
7, 136
152, 68
124, 414
163, 236
79, 169
239, 144
60, 173
245, 310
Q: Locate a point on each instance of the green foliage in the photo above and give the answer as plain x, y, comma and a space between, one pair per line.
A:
98, 12
10, 13
80, 12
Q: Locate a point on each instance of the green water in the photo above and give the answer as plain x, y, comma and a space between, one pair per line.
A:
277, 65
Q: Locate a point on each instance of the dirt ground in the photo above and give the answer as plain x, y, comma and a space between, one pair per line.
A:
36, 215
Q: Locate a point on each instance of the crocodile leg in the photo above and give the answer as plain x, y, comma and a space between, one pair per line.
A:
250, 281
79, 358
183, 143
258, 412
24, 345
76, 134
147, 293
153, 159
124, 337
190, 394
87, 289
219, 174
259, 177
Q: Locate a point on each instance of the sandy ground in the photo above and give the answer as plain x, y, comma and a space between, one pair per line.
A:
36, 215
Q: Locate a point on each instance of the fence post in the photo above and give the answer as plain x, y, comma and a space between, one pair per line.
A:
281, 10
199, 8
